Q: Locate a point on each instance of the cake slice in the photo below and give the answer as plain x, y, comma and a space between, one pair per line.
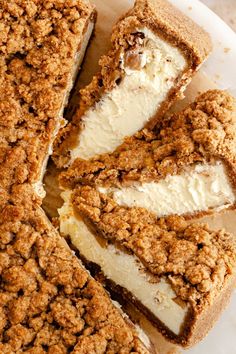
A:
49, 302
186, 167
42, 45
179, 274
155, 50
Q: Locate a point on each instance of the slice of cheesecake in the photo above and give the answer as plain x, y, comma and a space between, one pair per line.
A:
42, 46
155, 52
179, 274
49, 302
187, 166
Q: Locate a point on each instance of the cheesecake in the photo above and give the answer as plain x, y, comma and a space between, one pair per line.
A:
186, 166
49, 302
130, 215
42, 46
155, 51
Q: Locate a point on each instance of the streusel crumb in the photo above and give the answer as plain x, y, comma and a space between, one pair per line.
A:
193, 258
38, 43
203, 132
48, 301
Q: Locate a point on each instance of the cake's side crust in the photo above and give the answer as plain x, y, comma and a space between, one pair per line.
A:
194, 259
49, 303
205, 320
39, 41
195, 45
203, 133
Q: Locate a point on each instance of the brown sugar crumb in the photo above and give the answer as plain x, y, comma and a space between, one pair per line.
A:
38, 42
193, 258
203, 132
49, 303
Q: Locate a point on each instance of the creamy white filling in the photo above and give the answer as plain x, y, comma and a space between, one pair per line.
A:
123, 269
129, 106
38, 186
199, 189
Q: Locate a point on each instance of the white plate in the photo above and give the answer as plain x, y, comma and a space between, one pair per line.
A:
220, 69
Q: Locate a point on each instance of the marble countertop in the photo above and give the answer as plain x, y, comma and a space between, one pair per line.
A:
226, 9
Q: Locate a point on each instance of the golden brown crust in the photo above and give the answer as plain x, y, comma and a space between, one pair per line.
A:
38, 42
171, 25
194, 259
49, 303
203, 132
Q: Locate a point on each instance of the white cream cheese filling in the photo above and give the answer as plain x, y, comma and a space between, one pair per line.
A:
123, 269
79, 56
129, 106
199, 189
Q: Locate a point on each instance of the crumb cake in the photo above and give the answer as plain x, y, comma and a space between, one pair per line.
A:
187, 166
180, 273
49, 302
155, 50
42, 44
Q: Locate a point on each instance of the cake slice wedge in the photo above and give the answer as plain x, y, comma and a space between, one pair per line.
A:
187, 166
180, 274
155, 50
49, 302
42, 46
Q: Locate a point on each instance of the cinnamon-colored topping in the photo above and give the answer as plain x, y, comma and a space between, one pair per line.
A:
194, 259
164, 20
49, 303
204, 131
38, 43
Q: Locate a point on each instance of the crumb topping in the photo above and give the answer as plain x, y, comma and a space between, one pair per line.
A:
49, 303
203, 132
164, 20
194, 259
38, 42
